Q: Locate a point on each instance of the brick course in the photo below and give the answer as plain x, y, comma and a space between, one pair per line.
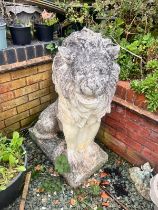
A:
24, 93
130, 131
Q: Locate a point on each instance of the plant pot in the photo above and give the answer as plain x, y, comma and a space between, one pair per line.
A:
44, 32
20, 35
14, 189
3, 40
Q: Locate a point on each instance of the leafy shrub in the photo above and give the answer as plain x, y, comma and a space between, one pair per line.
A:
133, 25
133, 60
126, 18
11, 159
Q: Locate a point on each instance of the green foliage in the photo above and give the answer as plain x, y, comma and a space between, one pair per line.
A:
11, 158
130, 64
62, 165
149, 87
52, 47
152, 64
52, 185
48, 18
51, 21
76, 13
36, 173
137, 16
94, 190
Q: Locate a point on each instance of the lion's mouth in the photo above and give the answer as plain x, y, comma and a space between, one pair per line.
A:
92, 88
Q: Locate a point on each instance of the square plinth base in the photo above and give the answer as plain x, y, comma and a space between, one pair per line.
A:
83, 164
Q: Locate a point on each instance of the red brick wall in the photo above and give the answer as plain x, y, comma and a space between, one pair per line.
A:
130, 131
24, 94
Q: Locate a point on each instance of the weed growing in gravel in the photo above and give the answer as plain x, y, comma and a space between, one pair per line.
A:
62, 165
94, 190
51, 185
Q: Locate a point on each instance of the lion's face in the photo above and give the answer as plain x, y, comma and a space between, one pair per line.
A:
92, 78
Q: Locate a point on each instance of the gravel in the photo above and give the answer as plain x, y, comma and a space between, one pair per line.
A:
48, 191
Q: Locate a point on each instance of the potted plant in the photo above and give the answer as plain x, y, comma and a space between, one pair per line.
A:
20, 33
13, 161
3, 40
45, 27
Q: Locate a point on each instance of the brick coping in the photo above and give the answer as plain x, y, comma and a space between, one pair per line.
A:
22, 56
25, 64
134, 108
128, 98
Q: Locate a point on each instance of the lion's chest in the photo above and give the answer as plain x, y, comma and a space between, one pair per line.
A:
80, 111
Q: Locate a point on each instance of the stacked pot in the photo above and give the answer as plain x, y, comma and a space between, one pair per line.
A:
3, 40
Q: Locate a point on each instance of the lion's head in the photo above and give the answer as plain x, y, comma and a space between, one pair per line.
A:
86, 62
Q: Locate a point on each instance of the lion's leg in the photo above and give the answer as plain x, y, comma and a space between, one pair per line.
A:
47, 124
86, 135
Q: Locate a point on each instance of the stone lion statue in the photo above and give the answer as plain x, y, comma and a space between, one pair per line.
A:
85, 74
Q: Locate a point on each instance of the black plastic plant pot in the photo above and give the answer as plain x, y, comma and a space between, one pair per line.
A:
44, 32
14, 189
20, 35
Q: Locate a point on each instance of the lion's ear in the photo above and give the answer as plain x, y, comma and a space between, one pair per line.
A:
66, 54
113, 51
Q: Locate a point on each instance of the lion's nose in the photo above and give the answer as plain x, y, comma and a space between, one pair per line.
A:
85, 89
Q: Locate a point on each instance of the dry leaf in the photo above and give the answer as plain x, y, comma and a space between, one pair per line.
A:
104, 195
118, 162
80, 198
105, 204
38, 168
52, 172
46, 15
39, 190
72, 202
56, 202
105, 183
103, 174
94, 182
